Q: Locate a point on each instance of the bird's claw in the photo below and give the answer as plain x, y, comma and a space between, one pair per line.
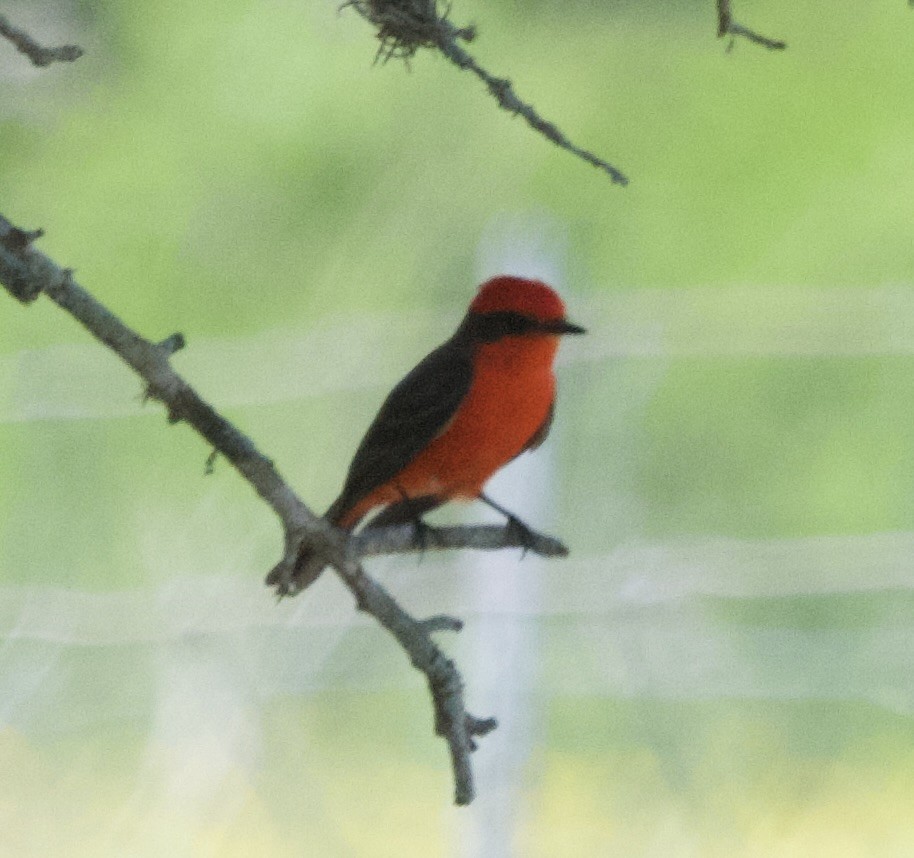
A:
516, 530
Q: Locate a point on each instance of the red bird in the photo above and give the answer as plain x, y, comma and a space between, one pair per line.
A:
471, 406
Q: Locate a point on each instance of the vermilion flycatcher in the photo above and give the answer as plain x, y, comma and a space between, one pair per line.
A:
471, 406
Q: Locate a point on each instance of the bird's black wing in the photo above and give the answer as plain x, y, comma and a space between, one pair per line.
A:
416, 411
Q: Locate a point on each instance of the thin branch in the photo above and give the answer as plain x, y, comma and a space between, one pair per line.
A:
402, 539
26, 273
404, 26
726, 26
507, 99
443, 623
39, 55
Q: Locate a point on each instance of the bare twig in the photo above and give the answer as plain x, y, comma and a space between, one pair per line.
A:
443, 623
726, 26
39, 55
27, 273
404, 26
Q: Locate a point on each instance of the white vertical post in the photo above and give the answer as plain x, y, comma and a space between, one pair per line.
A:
503, 650
502, 660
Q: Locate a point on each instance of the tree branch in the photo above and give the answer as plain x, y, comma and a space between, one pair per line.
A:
404, 26
727, 26
39, 55
27, 273
401, 539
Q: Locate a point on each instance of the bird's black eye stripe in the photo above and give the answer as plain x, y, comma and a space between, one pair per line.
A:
489, 327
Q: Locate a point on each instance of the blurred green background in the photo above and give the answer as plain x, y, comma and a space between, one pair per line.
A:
722, 667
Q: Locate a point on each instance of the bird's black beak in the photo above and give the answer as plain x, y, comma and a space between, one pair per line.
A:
562, 326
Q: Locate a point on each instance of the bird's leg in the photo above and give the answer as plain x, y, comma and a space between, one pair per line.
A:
425, 534
525, 534
409, 510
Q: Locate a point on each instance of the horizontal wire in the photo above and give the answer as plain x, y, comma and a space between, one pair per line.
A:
646, 577
81, 381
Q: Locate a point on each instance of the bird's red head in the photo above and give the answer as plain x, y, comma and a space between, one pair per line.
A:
531, 298
519, 307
